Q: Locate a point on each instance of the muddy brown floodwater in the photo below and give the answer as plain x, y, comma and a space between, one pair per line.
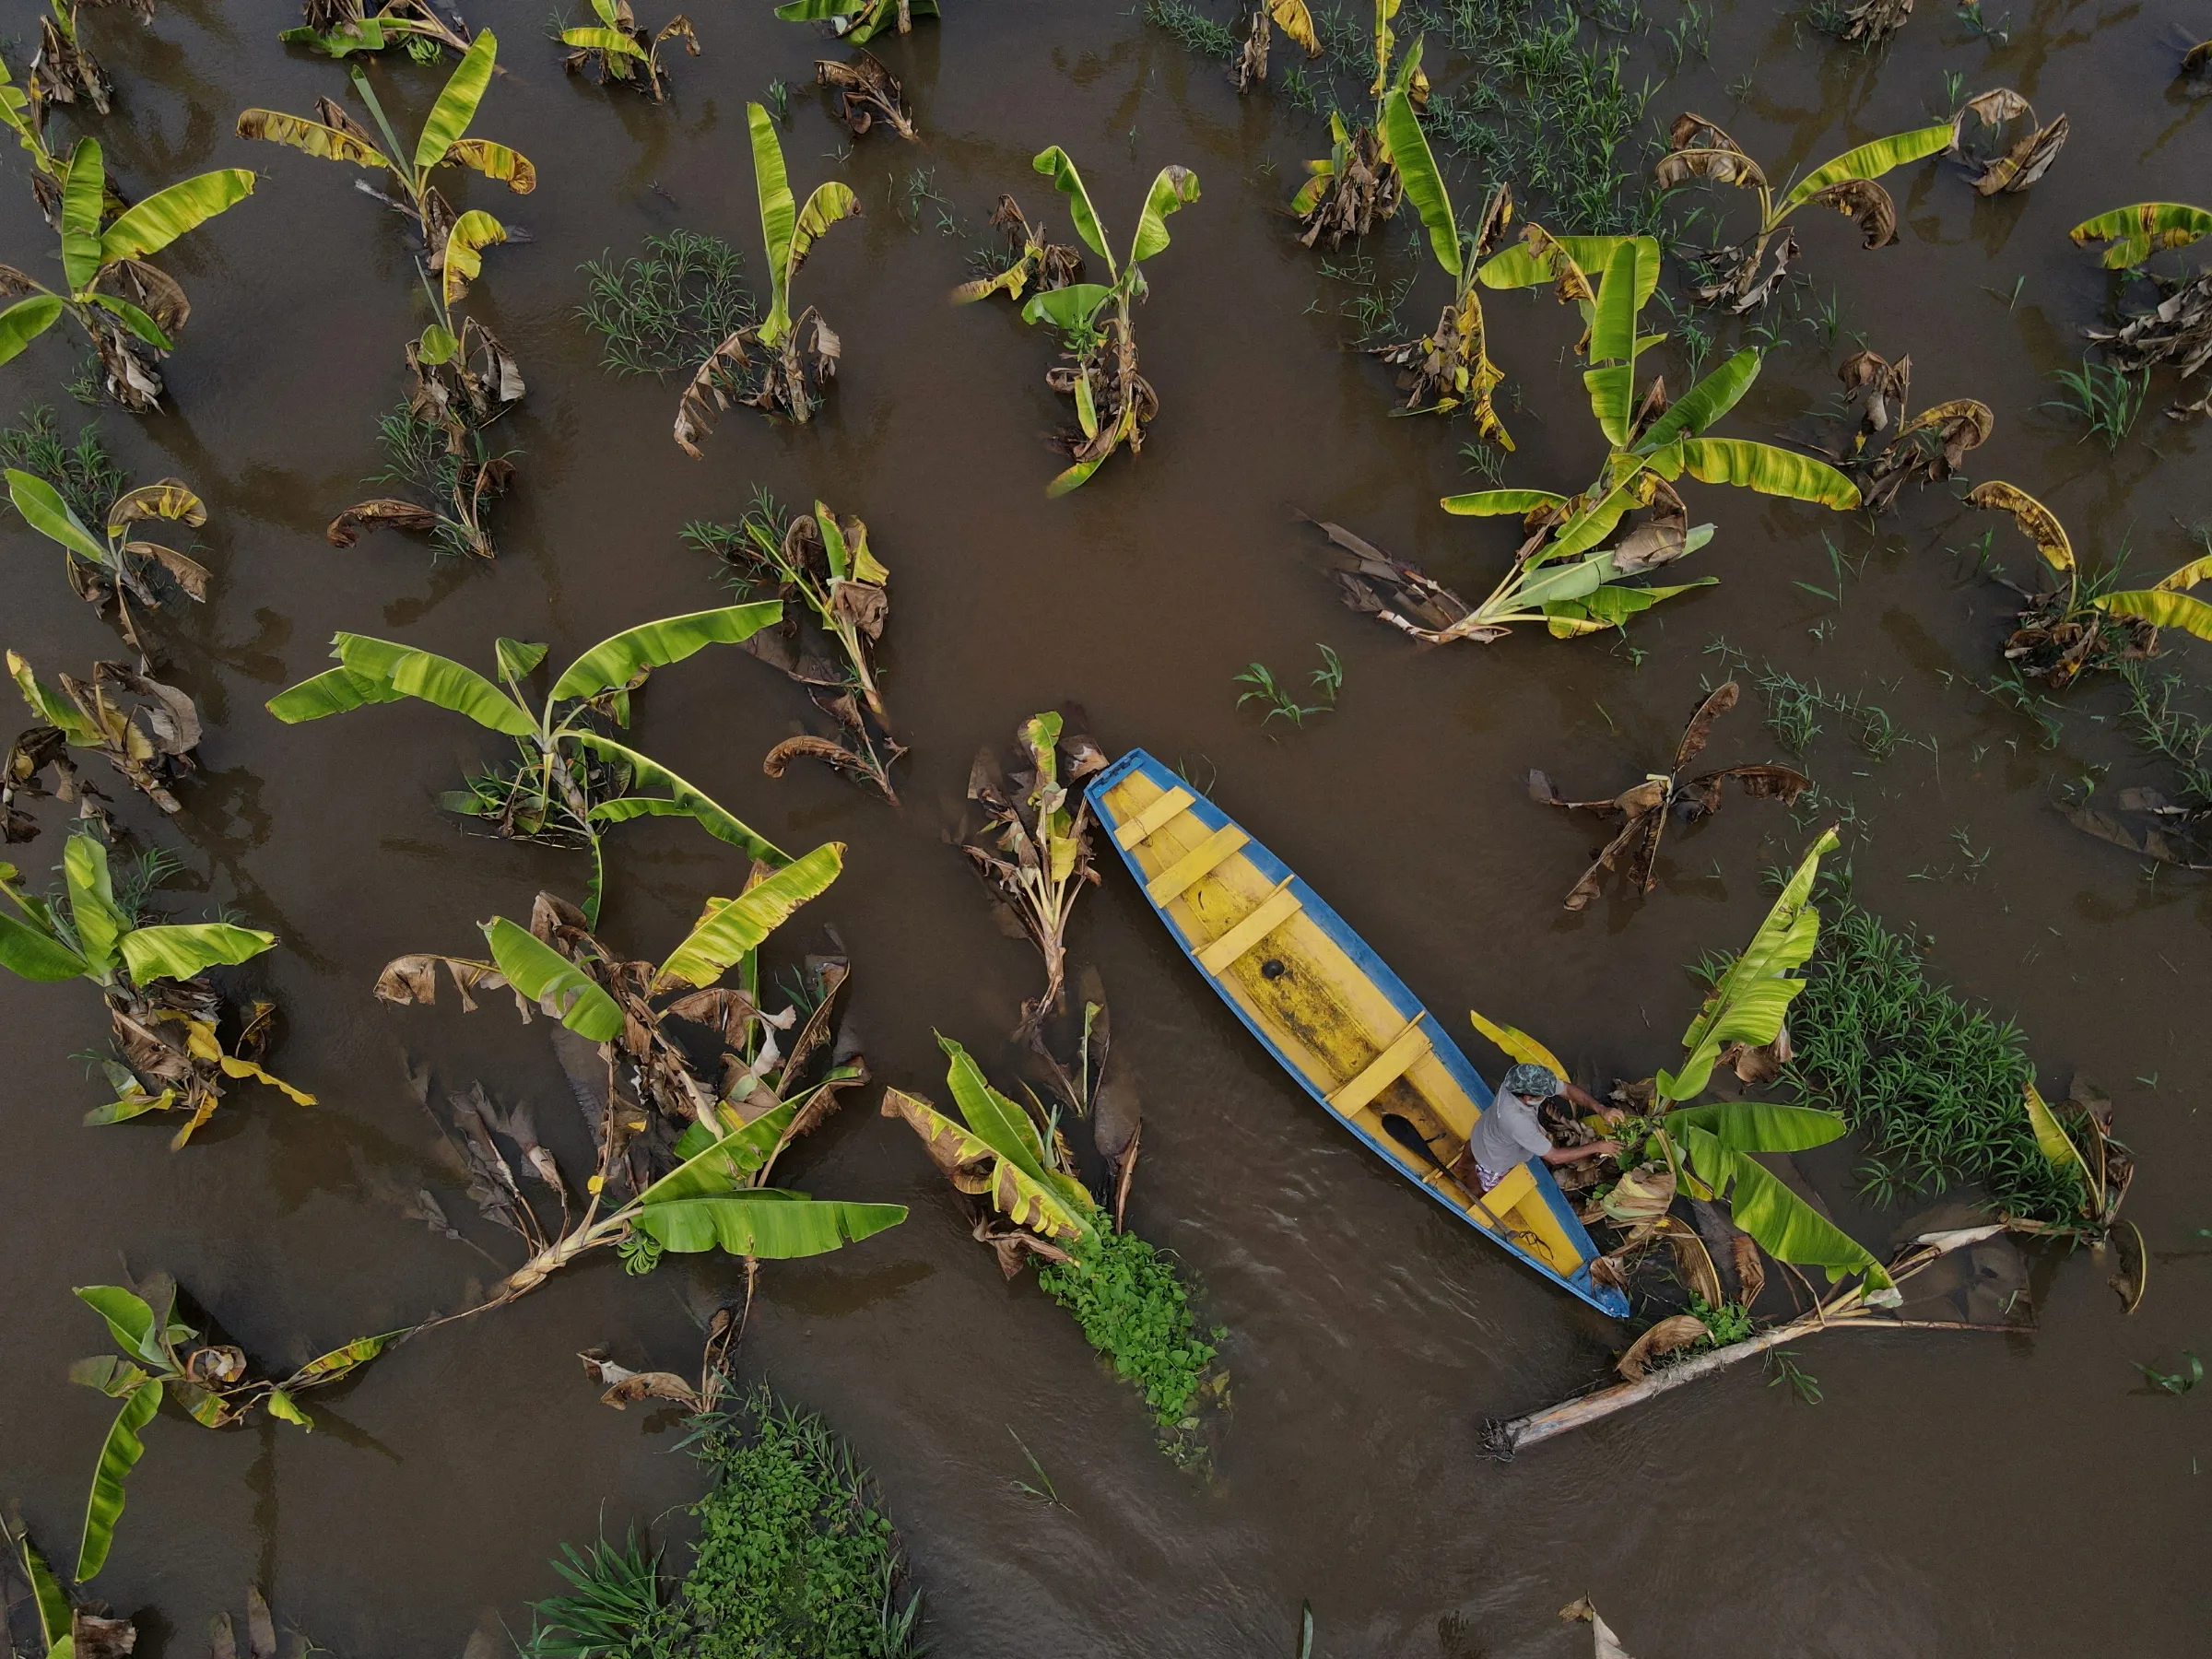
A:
1954, 1495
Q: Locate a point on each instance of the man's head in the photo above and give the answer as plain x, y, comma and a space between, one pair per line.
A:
1534, 1083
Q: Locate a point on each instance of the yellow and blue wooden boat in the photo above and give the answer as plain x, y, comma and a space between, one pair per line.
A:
1325, 1005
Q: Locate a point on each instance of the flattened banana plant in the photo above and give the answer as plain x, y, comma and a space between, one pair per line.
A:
858, 21
168, 1019
617, 51
64, 69
571, 778
108, 571
1262, 17
1929, 446
1030, 259
129, 310
2177, 327
2023, 162
801, 354
1097, 321
1734, 279
1358, 184
145, 730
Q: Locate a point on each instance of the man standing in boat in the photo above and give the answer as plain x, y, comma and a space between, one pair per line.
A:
1511, 1132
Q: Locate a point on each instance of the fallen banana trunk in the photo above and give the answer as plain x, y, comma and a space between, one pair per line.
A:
1849, 1309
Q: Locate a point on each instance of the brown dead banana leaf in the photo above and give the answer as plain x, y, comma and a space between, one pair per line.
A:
414, 979
1670, 1336
1012, 1246
1699, 731
1760, 1065
1876, 385
1701, 149
1872, 21
710, 392
1694, 1267
625, 1387
2178, 329
1866, 203
1700, 797
2025, 162
1370, 581
2197, 60
865, 92
1750, 1268
91, 1637
2153, 842
2133, 1278
383, 513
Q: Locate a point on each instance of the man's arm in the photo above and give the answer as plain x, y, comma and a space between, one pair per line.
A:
1587, 1102
1567, 1155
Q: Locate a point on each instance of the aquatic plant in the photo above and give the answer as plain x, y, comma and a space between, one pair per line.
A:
858, 21
150, 741
128, 309
165, 1012
84, 473
617, 50
1702, 151
826, 564
2178, 328
455, 485
1097, 324
339, 27
2064, 630
1262, 17
64, 69
1034, 846
108, 571
1358, 185
1646, 808
1029, 1202
572, 778
865, 92
801, 352
688, 1097
1928, 447
164, 1358
793, 1556
1449, 367
443, 141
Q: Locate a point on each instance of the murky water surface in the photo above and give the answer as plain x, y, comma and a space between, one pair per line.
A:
1955, 1495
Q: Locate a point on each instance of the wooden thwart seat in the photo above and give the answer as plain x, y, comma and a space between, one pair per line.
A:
1209, 855
1263, 918
1153, 818
1395, 1060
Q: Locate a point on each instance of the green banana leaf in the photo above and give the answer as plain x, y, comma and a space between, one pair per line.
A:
136, 321
1704, 403
1787, 1227
1871, 161
1056, 165
496, 162
2141, 230
1556, 583
2161, 607
25, 320
44, 510
118, 1455
1770, 471
339, 1361
764, 1223
29, 954
99, 920
683, 801
1748, 1002
456, 105
603, 40
725, 1165
132, 1321
616, 661
1423, 180
1612, 389
549, 979
1758, 1127
1592, 524
333, 691
1612, 324
434, 680
1495, 503
731, 927
1612, 605
2051, 1139
1008, 1130
84, 198
1172, 188
828, 203
1068, 309
168, 214
779, 216
517, 657
178, 951
1047, 1210
56, 1617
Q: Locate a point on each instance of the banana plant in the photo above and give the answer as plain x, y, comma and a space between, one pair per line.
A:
337, 136
108, 569
1261, 21
1700, 149
617, 50
340, 28
1565, 575
1358, 184
64, 69
150, 742
2063, 631
67, 1628
128, 307
2177, 329
572, 778
1096, 320
1029, 258
859, 21
802, 354
164, 1358
164, 1013
1449, 369
25, 114
723, 1129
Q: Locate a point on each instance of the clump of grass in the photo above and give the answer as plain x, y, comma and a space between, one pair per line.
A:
1135, 1311
1192, 28
1935, 1084
2157, 722
83, 471
664, 313
2107, 399
793, 1560
458, 486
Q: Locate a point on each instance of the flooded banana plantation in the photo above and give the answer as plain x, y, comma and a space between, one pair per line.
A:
1202, 827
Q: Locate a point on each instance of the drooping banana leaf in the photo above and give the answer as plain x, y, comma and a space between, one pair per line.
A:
472, 233
549, 979
1759, 1126
1495, 503
180, 950
2161, 607
25, 320
168, 214
1870, 161
1068, 309
616, 661
44, 510
496, 162
764, 1223
828, 203
682, 801
1423, 179
1517, 1044
1172, 188
56, 1617
456, 105
333, 691
312, 138
340, 1361
1524, 266
118, 1455
2143, 229
2037, 521
1768, 470
168, 498
434, 680
137, 1326
731, 927
1056, 165
39, 957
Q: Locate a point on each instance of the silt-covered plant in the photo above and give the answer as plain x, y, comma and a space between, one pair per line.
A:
168, 1016
571, 777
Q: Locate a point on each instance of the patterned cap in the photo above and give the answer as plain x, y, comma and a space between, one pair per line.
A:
1529, 1078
